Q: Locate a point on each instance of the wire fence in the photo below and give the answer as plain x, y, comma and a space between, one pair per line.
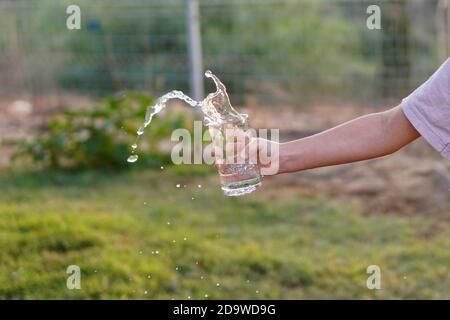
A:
274, 52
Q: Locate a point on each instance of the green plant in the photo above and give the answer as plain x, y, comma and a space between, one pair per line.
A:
101, 136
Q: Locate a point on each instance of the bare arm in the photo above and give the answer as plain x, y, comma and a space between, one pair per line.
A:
367, 137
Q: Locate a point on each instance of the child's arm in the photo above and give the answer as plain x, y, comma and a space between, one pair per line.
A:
367, 137
427, 109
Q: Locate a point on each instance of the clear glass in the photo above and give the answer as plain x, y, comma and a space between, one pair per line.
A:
236, 179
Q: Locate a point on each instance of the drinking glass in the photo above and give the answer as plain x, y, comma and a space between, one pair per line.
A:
239, 177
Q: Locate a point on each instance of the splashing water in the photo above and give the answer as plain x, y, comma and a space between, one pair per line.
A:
155, 109
216, 108
236, 179
133, 158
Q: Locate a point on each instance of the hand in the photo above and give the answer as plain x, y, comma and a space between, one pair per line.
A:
241, 147
265, 153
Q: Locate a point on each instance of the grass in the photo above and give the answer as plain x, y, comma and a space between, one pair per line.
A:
258, 246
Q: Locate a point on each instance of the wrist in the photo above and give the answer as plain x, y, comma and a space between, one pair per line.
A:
291, 157
284, 158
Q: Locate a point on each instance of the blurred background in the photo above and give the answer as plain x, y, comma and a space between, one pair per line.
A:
71, 101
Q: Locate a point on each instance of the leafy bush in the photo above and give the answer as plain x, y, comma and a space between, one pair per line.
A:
101, 136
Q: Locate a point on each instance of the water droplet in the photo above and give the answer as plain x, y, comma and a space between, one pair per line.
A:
140, 252
133, 158
257, 291
133, 146
202, 277
199, 186
162, 168
193, 198
149, 276
145, 292
218, 284
189, 297
178, 185
185, 238
168, 223
145, 203
196, 262
157, 252
206, 296
140, 131
176, 268
174, 241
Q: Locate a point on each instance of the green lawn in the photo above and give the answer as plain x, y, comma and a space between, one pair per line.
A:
260, 246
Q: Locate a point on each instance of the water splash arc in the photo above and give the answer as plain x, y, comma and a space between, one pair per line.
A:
216, 109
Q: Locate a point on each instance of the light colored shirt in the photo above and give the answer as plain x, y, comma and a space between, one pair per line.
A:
428, 109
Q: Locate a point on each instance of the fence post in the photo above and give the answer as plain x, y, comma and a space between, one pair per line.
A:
195, 50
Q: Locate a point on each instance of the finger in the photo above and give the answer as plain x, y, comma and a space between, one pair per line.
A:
235, 141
